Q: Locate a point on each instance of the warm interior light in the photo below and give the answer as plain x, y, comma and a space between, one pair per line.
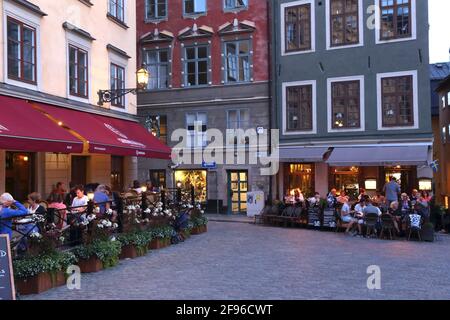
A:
425, 185
60, 123
144, 188
371, 184
25, 158
90, 195
179, 184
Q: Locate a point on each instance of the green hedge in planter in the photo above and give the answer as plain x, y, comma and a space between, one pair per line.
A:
199, 221
107, 251
30, 266
139, 239
165, 232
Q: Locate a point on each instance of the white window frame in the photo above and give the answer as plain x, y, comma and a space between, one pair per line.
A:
415, 95
378, 24
124, 11
362, 107
121, 62
283, 8
360, 27
84, 44
286, 85
33, 20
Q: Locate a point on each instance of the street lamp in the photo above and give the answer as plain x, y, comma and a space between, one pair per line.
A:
107, 96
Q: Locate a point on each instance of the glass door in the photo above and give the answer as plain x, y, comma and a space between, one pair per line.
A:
237, 192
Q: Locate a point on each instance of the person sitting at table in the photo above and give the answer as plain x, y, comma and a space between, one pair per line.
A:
371, 209
81, 200
395, 213
346, 217
362, 193
425, 197
314, 201
137, 187
332, 198
299, 197
56, 202
359, 212
415, 196
343, 198
405, 205
7, 212
101, 197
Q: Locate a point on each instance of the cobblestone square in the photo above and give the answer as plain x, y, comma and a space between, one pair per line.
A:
244, 261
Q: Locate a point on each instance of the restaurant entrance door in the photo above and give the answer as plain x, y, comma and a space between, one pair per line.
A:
237, 192
79, 170
20, 174
117, 165
406, 176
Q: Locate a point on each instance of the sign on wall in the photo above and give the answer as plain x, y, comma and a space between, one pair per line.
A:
7, 290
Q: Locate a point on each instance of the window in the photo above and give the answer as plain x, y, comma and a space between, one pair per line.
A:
117, 83
238, 119
397, 101
298, 28
237, 61
235, 4
395, 19
116, 9
444, 135
158, 127
21, 51
448, 99
78, 72
192, 7
443, 103
155, 9
196, 66
299, 106
346, 104
196, 124
158, 178
344, 25
157, 62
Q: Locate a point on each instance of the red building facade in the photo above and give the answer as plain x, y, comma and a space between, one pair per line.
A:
176, 31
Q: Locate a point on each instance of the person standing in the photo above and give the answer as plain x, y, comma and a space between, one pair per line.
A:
7, 212
392, 190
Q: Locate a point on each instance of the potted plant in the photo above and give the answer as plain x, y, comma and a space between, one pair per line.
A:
134, 244
427, 232
98, 255
36, 274
160, 237
199, 225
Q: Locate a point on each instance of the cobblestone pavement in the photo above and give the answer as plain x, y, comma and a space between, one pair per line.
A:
244, 261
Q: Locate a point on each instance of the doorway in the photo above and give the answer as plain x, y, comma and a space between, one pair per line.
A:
117, 164
406, 176
237, 192
79, 170
20, 174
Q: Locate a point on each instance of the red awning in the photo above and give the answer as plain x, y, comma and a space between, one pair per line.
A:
23, 128
110, 135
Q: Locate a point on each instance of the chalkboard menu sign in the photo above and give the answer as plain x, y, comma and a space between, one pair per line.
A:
314, 215
329, 220
7, 291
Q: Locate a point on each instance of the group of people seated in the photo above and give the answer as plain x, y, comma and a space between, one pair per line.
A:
412, 211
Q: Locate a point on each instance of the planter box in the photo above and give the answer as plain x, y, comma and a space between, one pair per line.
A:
58, 279
93, 264
199, 230
34, 285
128, 252
156, 244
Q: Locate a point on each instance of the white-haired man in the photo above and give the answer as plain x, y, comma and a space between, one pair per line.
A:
7, 212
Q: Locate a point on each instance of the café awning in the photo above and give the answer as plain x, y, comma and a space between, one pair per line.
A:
23, 128
380, 156
302, 154
107, 135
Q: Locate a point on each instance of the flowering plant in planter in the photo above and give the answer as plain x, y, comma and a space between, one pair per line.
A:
30, 266
138, 239
107, 251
